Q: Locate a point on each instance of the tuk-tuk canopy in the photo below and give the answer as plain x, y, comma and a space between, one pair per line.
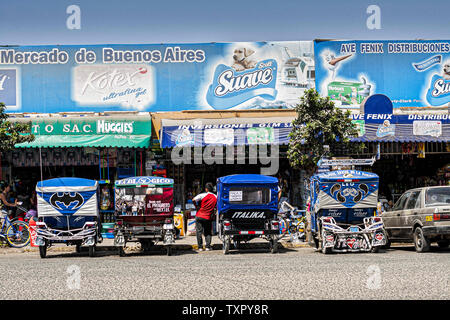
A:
344, 189
247, 179
68, 184
231, 192
144, 181
346, 176
67, 197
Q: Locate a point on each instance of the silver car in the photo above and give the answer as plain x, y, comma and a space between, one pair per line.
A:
421, 216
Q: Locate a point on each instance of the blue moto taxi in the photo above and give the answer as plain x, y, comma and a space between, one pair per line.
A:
67, 213
343, 211
247, 206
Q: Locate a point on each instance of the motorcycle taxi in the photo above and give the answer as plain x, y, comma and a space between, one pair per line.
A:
144, 212
343, 212
67, 213
247, 206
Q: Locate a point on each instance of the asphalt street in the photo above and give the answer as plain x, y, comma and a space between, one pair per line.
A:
293, 274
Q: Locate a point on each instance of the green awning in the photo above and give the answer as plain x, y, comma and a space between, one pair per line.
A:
126, 131
62, 141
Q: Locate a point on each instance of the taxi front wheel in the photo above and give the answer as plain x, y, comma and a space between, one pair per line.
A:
421, 242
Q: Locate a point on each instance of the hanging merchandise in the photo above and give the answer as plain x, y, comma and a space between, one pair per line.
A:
421, 150
105, 198
57, 157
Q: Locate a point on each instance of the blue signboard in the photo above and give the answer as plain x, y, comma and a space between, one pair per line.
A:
225, 134
155, 77
415, 75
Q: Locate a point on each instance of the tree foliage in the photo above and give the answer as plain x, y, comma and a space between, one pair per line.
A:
12, 133
318, 123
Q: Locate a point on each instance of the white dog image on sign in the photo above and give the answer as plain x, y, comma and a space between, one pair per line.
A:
446, 71
241, 60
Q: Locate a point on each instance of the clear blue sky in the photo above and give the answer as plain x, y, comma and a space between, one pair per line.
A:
28, 22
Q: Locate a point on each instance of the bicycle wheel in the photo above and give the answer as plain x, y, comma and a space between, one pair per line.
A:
18, 234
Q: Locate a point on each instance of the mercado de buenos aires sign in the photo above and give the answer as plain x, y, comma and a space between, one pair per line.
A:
209, 76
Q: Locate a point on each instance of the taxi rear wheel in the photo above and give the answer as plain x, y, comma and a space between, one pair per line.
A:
226, 245
43, 251
92, 251
273, 245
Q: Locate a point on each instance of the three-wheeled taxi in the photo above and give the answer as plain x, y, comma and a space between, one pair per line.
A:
343, 212
247, 206
67, 213
144, 212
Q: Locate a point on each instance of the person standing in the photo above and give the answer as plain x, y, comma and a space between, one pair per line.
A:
4, 197
205, 204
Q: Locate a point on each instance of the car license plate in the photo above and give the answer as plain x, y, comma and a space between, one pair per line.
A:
354, 229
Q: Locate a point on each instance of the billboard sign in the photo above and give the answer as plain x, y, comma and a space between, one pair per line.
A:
415, 75
155, 77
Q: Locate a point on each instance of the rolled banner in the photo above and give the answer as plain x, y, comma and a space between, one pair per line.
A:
424, 65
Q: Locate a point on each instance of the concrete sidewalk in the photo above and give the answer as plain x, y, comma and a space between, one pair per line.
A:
182, 243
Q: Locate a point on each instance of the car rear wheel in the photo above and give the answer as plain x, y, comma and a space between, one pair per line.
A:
421, 242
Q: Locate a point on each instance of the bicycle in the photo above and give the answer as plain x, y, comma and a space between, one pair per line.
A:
291, 223
15, 232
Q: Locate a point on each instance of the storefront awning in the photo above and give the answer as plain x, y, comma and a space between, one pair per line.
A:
89, 131
399, 128
61, 141
225, 131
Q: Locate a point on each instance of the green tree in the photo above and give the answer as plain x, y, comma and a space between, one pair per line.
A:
12, 133
318, 123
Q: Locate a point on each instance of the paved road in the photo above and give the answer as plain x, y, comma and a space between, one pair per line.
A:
298, 274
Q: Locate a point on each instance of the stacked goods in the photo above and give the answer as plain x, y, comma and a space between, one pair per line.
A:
108, 230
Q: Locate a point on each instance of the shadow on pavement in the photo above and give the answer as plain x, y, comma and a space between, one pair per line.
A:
410, 247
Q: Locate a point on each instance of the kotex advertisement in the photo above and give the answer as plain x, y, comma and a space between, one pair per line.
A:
415, 75
155, 77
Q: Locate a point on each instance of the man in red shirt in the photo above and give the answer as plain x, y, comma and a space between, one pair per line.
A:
203, 218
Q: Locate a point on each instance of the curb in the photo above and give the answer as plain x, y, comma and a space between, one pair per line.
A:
135, 248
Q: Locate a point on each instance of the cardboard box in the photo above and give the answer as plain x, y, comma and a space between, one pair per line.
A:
178, 220
191, 227
346, 92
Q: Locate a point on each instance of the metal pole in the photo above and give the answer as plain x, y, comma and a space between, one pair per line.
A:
99, 165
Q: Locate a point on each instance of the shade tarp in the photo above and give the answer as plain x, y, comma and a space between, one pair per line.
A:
61, 141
